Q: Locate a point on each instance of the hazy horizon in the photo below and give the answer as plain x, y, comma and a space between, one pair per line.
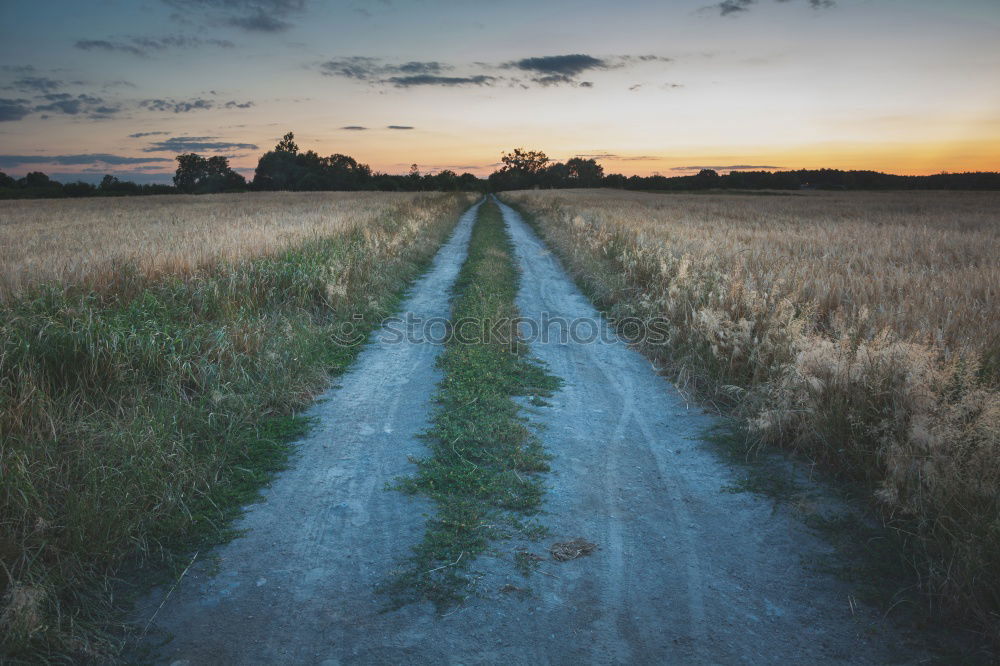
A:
121, 87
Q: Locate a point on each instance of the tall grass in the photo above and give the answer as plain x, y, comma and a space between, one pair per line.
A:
144, 397
860, 329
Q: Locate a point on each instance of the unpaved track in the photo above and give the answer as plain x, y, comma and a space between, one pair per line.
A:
685, 573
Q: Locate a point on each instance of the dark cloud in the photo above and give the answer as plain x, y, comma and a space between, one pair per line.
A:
399, 127
731, 167
559, 70
74, 105
14, 109
431, 80
181, 144
36, 84
564, 65
185, 106
8, 161
105, 45
727, 7
250, 15
143, 46
372, 69
355, 128
544, 70
139, 135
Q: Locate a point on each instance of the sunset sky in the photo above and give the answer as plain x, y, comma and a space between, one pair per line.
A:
904, 86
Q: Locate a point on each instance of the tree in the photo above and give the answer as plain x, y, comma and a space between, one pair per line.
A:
524, 161
6, 181
584, 173
287, 144
197, 175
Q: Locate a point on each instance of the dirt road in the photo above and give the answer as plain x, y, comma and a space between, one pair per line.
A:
684, 573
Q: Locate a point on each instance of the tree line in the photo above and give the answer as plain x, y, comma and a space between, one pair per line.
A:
286, 167
528, 169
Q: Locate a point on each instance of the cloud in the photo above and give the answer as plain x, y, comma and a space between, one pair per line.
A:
249, 15
558, 70
731, 167
182, 144
727, 7
105, 45
399, 127
543, 70
355, 128
618, 158
88, 158
565, 65
185, 106
36, 84
431, 80
143, 46
64, 103
364, 68
139, 135
14, 109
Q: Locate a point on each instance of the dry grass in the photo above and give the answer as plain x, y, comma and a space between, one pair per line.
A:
69, 240
153, 355
859, 328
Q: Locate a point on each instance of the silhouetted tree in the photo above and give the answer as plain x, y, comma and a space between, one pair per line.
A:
197, 175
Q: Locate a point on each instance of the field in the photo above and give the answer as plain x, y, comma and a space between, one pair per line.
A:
153, 355
861, 330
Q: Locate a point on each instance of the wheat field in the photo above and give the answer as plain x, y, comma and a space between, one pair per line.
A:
860, 329
154, 353
66, 241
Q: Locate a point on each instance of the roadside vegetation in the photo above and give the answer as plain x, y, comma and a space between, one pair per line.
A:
860, 330
154, 355
483, 464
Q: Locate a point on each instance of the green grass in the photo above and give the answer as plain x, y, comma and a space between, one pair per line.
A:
482, 471
136, 421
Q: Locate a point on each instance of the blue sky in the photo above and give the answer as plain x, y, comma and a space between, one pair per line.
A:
88, 88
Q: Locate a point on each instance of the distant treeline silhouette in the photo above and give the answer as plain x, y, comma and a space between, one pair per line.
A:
287, 168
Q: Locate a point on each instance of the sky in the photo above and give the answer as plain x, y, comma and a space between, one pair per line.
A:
644, 87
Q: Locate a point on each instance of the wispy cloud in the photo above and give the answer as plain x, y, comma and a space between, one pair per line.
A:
399, 127
541, 70
249, 15
431, 80
144, 46
186, 106
180, 144
727, 7
729, 167
354, 128
139, 135
79, 159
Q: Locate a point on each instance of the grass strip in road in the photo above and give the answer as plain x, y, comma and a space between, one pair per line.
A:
482, 471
